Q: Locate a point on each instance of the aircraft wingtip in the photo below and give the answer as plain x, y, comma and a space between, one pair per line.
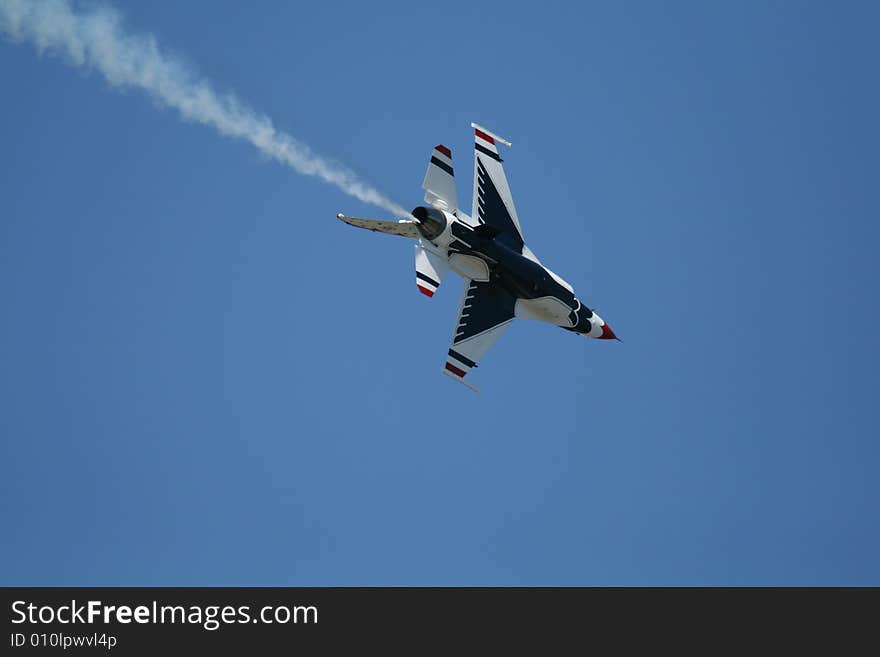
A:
467, 384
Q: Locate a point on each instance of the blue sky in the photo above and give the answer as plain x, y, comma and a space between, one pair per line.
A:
205, 378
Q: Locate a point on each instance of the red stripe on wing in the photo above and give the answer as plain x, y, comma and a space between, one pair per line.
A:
483, 135
452, 368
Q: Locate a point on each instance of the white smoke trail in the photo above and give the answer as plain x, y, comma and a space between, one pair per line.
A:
95, 39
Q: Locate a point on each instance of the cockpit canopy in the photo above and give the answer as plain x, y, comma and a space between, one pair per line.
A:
432, 221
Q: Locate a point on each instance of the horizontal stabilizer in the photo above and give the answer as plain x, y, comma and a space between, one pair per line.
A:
431, 267
439, 182
403, 227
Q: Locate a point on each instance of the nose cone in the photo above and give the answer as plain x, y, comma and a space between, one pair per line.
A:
607, 333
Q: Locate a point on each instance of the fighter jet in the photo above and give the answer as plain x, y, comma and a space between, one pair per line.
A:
503, 279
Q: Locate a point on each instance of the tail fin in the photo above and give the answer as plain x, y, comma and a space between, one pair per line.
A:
403, 227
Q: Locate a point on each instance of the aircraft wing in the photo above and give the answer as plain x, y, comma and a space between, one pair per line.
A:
493, 203
486, 310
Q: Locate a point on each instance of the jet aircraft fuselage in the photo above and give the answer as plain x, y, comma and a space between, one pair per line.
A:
538, 292
503, 279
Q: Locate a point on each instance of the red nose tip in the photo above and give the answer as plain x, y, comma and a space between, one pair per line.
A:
607, 333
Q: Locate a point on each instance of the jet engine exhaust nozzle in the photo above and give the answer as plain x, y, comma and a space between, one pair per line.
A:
431, 221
